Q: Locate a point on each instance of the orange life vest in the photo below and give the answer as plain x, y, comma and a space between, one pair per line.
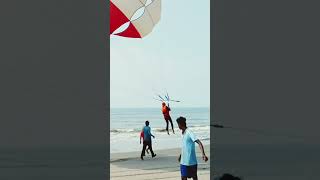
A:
165, 112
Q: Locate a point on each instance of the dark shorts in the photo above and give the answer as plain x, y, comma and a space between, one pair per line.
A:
168, 118
188, 171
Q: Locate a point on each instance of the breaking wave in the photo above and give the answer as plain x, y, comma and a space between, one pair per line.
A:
137, 130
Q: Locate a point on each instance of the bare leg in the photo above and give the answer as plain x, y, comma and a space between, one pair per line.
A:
171, 125
183, 178
167, 127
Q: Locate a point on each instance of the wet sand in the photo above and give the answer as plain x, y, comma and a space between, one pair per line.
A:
164, 166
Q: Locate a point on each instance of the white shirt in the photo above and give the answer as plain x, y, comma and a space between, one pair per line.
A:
188, 152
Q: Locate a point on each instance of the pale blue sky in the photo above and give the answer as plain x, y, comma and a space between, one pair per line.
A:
174, 57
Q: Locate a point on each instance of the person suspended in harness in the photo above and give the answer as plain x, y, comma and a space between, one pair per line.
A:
167, 117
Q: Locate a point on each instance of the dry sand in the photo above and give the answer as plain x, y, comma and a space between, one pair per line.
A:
129, 166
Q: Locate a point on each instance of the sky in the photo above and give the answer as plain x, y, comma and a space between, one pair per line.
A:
173, 58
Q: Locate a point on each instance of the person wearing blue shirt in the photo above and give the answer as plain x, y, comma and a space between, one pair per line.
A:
147, 140
188, 158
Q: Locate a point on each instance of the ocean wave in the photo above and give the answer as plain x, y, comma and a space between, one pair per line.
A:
136, 130
205, 139
124, 130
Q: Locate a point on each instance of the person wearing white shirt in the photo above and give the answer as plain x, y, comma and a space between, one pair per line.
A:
187, 158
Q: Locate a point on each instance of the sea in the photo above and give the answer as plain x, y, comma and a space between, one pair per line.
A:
127, 123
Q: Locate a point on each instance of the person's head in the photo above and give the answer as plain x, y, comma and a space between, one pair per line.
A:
163, 104
147, 123
182, 122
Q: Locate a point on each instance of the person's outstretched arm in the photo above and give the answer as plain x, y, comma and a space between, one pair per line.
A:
204, 157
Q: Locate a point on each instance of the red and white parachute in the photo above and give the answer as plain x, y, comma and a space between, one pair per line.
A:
134, 18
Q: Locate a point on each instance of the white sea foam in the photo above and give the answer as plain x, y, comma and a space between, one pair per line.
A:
126, 125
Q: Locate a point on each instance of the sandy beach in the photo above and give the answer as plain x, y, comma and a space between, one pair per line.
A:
164, 166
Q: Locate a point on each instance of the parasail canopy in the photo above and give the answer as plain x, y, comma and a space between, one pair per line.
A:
134, 18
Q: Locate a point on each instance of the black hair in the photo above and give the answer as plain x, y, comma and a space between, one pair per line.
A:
181, 120
147, 123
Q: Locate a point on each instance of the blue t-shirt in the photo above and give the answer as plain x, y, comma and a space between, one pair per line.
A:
188, 152
147, 133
